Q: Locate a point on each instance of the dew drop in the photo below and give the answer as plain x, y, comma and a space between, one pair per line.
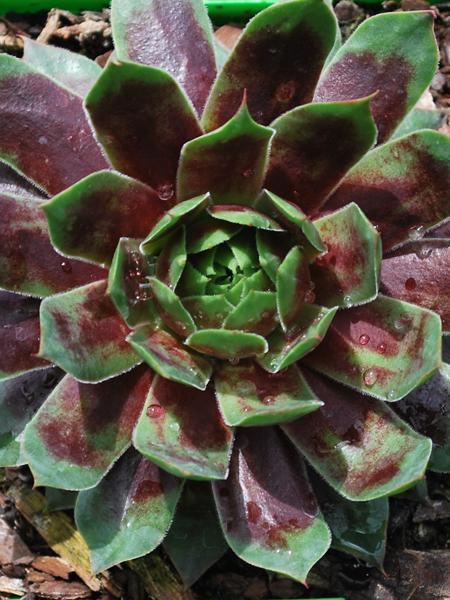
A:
381, 348
285, 91
370, 377
364, 339
248, 173
424, 252
347, 301
391, 395
415, 233
410, 284
268, 399
43, 140
165, 191
155, 411
66, 266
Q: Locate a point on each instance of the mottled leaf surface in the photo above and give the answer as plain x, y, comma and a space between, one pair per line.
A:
402, 187
169, 357
358, 444
269, 515
195, 540
176, 37
49, 140
142, 119
277, 59
182, 430
19, 335
230, 162
208, 311
293, 283
255, 313
128, 514
248, 395
82, 332
82, 429
419, 273
400, 42
20, 398
348, 272
385, 348
28, 262
71, 69
89, 218
302, 168
170, 308
223, 343
233, 213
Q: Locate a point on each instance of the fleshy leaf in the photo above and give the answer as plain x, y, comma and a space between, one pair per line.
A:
301, 167
250, 396
195, 540
20, 398
60, 499
182, 431
305, 334
88, 219
170, 358
385, 348
171, 309
14, 184
142, 119
169, 223
255, 313
128, 284
419, 273
293, 287
223, 343
400, 42
420, 118
127, 515
82, 429
177, 38
348, 273
272, 251
207, 233
28, 261
403, 187
71, 69
172, 259
277, 59
230, 162
49, 141
208, 312
82, 332
427, 410
242, 215
358, 528
192, 282
269, 515
358, 444
19, 335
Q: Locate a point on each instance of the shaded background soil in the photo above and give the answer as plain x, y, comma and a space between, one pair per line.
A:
417, 565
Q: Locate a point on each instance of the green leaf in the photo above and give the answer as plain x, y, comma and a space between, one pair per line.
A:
128, 513
400, 42
42, 139
89, 218
419, 118
82, 429
272, 251
71, 69
277, 59
19, 335
207, 233
385, 348
242, 215
208, 312
301, 165
230, 162
192, 282
227, 344
20, 398
28, 262
171, 309
195, 540
181, 430
169, 357
249, 396
255, 313
60, 499
402, 187
305, 334
293, 287
358, 528
82, 333
142, 119
176, 38
171, 222
348, 272
358, 444
172, 259
269, 515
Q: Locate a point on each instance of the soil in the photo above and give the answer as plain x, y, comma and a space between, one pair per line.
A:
417, 565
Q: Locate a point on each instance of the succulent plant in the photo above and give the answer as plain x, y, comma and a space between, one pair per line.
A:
198, 251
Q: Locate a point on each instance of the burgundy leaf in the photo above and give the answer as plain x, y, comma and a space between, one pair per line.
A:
14, 184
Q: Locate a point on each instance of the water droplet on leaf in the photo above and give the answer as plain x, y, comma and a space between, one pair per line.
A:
347, 301
415, 233
66, 266
410, 284
364, 339
391, 395
381, 348
155, 411
268, 399
370, 377
165, 191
